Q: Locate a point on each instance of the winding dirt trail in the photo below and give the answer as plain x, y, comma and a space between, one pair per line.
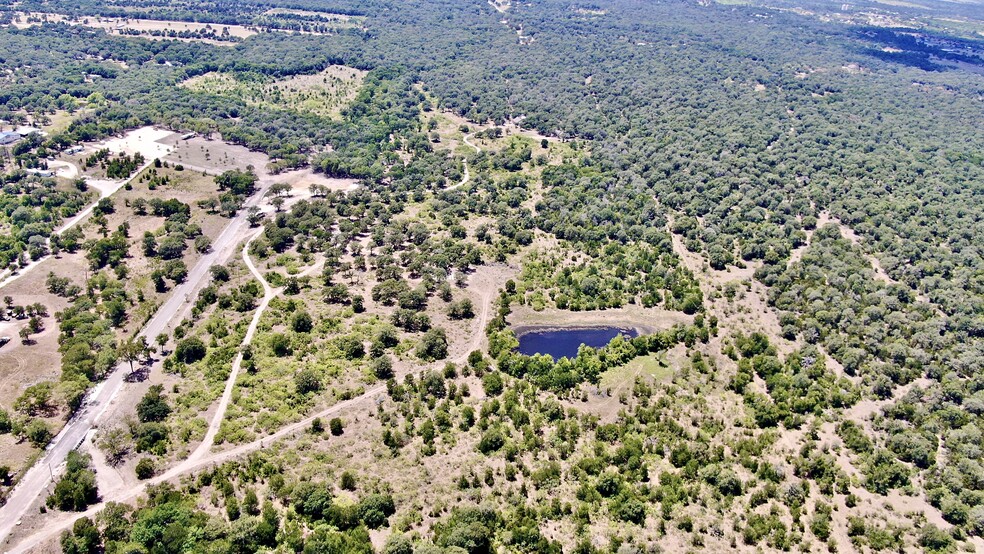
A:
269, 293
467, 176
202, 458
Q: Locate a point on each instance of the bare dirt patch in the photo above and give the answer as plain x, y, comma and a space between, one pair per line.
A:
213, 156
144, 28
302, 183
643, 320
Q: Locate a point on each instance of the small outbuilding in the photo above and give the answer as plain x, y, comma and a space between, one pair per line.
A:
9, 138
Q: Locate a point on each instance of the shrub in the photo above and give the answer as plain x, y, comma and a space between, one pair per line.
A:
375, 509
190, 350
37, 433
462, 309
491, 441
219, 272
935, 539
348, 481
301, 322
351, 347
882, 473
35, 399
398, 544
335, 426
151, 437
279, 344
145, 468
307, 380
5, 423
608, 484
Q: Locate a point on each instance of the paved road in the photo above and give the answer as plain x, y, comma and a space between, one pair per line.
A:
35, 482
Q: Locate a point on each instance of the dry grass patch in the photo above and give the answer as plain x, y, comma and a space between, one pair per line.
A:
212, 33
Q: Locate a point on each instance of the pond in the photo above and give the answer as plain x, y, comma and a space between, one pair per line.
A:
561, 342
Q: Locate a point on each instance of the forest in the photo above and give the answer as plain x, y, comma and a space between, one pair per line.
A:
686, 156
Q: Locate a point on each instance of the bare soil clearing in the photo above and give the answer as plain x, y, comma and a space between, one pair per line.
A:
643, 320
301, 181
213, 156
145, 28
147, 141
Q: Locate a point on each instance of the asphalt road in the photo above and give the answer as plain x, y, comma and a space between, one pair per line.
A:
36, 481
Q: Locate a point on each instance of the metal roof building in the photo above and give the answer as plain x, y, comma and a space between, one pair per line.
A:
9, 138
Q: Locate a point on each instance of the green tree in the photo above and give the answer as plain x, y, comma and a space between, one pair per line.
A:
153, 406
382, 367
38, 433
307, 380
301, 322
190, 350
335, 426
115, 442
279, 344
145, 468
76, 490
492, 383
131, 350
35, 399
433, 345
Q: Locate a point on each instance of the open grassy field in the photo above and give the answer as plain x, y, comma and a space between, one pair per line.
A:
325, 21
323, 94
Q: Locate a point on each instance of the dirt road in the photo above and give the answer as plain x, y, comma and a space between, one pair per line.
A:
64, 521
467, 176
105, 193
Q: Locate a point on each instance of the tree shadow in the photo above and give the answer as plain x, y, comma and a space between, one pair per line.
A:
140, 372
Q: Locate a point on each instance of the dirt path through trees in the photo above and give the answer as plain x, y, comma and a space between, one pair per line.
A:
268, 294
467, 176
65, 520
